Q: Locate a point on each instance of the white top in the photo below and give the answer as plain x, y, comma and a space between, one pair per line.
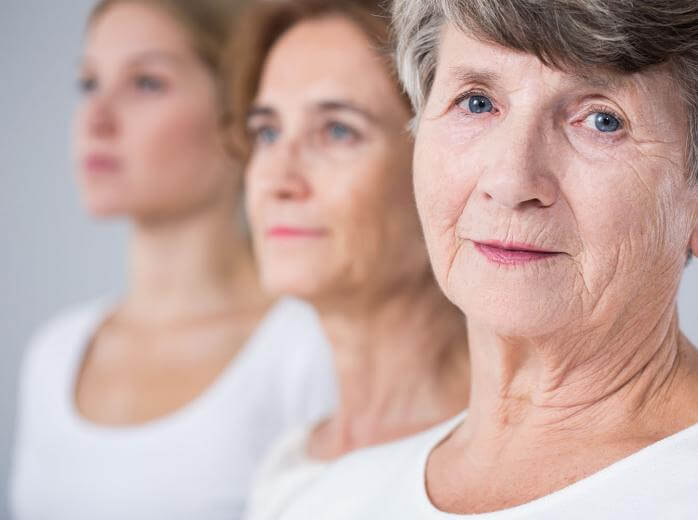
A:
388, 483
284, 473
195, 463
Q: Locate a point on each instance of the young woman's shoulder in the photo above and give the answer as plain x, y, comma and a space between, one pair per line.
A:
64, 333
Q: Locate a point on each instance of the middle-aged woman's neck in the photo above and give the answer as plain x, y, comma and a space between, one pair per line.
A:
190, 268
608, 384
400, 360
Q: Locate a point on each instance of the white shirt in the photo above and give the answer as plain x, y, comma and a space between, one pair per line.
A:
388, 483
286, 471
195, 463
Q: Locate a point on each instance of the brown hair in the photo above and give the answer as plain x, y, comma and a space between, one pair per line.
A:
619, 35
206, 22
263, 24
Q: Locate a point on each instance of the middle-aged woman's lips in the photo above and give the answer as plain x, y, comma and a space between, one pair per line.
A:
295, 232
512, 253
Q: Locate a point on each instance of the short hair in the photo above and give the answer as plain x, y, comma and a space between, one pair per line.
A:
618, 35
265, 22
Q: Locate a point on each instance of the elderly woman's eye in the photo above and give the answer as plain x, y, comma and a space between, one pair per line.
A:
603, 122
476, 104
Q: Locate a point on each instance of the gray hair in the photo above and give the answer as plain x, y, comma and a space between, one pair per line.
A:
626, 36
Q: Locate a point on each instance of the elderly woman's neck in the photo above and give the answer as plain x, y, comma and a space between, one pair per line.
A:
400, 361
607, 382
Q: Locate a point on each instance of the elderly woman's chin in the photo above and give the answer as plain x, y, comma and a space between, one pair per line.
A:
516, 301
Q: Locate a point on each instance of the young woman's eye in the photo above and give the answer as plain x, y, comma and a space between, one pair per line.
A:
476, 104
341, 132
87, 85
149, 83
603, 122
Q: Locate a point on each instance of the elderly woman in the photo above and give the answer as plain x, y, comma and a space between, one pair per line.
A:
555, 173
334, 221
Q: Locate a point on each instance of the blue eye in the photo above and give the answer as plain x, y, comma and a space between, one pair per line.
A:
340, 132
149, 83
477, 104
266, 135
605, 122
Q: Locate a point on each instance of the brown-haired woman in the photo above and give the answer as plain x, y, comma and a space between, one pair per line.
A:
158, 405
333, 217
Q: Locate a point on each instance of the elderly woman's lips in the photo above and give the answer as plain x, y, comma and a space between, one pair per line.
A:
295, 232
512, 254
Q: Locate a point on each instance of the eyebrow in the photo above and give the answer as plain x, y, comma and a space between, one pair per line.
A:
144, 57
467, 75
322, 106
604, 81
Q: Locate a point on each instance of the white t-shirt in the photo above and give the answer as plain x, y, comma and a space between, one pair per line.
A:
388, 483
196, 463
285, 472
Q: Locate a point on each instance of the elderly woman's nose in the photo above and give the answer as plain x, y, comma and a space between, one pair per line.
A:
520, 173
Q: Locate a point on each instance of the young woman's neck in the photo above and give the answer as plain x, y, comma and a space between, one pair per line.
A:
190, 267
400, 361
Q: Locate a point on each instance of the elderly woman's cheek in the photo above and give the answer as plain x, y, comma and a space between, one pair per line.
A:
443, 183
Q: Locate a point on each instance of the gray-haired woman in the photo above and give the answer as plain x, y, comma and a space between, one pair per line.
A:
556, 176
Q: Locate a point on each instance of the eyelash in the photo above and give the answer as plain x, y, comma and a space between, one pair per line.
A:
595, 109
475, 92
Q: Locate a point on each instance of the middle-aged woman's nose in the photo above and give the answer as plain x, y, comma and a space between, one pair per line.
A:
288, 180
522, 175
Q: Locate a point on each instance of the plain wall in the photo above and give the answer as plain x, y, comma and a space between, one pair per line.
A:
51, 254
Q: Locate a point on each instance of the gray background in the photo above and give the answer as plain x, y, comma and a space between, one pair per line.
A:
51, 254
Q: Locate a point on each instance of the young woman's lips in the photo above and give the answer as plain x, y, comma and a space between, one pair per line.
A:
512, 254
101, 164
287, 232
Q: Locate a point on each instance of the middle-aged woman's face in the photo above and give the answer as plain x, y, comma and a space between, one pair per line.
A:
328, 183
551, 199
147, 139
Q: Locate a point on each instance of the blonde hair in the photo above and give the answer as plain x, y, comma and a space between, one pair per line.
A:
207, 23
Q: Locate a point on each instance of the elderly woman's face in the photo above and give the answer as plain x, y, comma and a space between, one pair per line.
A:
328, 185
549, 198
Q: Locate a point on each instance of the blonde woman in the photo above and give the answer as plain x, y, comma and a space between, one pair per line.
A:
158, 404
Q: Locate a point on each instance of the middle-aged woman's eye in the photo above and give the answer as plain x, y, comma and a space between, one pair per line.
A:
476, 104
265, 135
603, 122
340, 132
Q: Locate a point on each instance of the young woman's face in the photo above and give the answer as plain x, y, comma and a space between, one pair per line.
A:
146, 137
328, 184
